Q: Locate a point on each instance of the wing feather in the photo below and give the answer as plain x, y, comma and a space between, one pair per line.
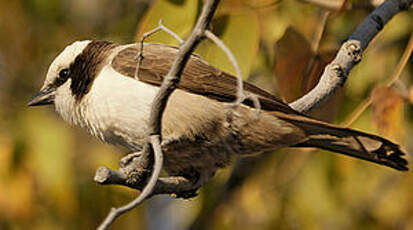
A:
198, 77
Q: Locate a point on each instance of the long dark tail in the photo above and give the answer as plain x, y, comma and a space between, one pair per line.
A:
350, 142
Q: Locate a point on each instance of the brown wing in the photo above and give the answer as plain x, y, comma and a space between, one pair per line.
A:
198, 76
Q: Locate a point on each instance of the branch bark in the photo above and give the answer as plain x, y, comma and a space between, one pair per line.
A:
349, 55
344, 5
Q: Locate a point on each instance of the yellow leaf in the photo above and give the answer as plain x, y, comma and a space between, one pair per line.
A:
177, 15
239, 31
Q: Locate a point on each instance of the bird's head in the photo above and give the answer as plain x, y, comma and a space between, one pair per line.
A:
59, 78
71, 74
70, 77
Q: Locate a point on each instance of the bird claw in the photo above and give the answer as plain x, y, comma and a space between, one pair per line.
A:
128, 158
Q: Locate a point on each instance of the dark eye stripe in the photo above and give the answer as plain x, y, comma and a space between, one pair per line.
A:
87, 65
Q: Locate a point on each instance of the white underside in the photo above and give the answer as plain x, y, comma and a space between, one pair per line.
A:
115, 110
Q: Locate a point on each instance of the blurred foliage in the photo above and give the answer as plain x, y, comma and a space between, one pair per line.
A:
46, 167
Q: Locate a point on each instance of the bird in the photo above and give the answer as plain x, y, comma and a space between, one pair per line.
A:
99, 86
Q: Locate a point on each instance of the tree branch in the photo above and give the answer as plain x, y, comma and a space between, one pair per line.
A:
335, 74
160, 27
394, 77
240, 91
155, 120
344, 5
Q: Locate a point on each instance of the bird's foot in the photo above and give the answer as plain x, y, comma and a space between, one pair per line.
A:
128, 158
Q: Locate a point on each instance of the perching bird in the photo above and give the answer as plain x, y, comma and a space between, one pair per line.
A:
92, 84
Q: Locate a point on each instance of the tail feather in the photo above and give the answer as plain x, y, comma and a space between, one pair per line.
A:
350, 142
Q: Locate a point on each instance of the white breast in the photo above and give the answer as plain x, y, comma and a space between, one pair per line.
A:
117, 109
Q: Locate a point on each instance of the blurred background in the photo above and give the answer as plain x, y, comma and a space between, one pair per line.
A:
47, 167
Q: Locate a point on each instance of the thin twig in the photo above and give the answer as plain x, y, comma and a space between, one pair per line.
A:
319, 30
160, 27
394, 77
240, 80
231, 57
159, 105
357, 112
402, 63
335, 74
315, 44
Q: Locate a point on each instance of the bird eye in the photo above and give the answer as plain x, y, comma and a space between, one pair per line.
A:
64, 73
63, 76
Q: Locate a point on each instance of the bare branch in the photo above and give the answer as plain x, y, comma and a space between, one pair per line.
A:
315, 44
395, 76
231, 57
157, 109
335, 74
319, 30
160, 27
240, 80
165, 185
337, 5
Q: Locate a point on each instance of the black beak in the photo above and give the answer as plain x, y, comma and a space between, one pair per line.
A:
44, 97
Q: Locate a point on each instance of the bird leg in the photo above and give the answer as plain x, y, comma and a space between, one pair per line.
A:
128, 158
134, 173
